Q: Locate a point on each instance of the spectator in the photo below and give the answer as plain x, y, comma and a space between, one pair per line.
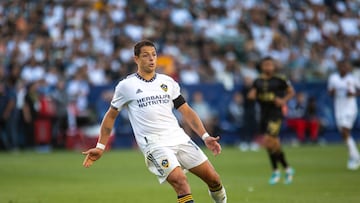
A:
78, 90
7, 108
235, 117
227, 76
250, 118
235, 111
30, 113
302, 117
206, 114
19, 124
60, 99
32, 71
54, 39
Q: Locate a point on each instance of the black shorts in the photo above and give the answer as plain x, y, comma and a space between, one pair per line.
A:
270, 126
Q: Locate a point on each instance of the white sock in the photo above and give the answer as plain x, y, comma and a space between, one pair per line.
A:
219, 196
353, 150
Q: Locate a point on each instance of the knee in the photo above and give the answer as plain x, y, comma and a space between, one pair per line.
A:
213, 180
179, 182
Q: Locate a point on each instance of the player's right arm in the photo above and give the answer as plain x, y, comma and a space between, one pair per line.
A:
252, 94
330, 86
105, 130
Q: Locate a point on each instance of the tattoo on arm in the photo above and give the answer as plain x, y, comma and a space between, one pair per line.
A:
107, 131
194, 124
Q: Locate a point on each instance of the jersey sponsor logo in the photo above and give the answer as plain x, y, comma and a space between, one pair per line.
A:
153, 100
164, 87
165, 163
138, 91
266, 96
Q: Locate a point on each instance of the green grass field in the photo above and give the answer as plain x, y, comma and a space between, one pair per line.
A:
121, 176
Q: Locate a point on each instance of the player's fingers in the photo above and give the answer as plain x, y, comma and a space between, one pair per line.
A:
87, 161
217, 138
86, 152
216, 150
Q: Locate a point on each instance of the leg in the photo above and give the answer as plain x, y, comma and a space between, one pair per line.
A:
314, 129
207, 173
163, 162
354, 156
271, 145
300, 129
298, 125
278, 156
178, 181
345, 121
272, 142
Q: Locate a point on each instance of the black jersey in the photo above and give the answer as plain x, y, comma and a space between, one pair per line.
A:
267, 90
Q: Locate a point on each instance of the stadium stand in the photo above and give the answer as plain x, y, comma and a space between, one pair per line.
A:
204, 45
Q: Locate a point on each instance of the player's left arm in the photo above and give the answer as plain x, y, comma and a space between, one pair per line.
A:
330, 86
107, 124
193, 120
289, 93
357, 88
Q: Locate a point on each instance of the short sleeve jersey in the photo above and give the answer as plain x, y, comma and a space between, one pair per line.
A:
343, 85
267, 90
150, 106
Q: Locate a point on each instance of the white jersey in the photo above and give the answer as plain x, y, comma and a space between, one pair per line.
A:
345, 106
343, 85
150, 105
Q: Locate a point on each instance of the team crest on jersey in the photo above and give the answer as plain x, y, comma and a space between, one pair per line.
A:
164, 87
165, 163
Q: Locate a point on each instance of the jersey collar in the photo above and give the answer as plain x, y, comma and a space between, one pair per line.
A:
143, 79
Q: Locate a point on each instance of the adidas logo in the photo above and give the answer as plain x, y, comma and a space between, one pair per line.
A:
138, 91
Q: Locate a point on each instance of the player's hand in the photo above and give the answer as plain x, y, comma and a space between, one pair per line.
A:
279, 102
213, 145
351, 94
91, 156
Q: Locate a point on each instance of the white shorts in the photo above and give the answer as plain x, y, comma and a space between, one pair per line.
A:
345, 119
161, 160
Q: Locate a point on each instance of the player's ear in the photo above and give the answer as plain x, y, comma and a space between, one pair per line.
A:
136, 59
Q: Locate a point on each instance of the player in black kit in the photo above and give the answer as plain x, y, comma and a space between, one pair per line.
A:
272, 93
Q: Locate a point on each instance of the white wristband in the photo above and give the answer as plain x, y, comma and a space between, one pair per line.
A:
204, 136
100, 146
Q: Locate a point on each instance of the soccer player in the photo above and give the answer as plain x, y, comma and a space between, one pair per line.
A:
150, 98
272, 92
344, 87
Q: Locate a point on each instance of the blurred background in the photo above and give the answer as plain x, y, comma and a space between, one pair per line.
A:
61, 59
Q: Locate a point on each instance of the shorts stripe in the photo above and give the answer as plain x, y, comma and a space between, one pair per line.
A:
193, 144
151, 158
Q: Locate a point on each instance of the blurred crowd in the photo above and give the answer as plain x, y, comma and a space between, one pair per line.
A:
59, 49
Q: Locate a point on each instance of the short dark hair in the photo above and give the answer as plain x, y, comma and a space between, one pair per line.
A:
266, 58
343, 62
259, 64
141, 44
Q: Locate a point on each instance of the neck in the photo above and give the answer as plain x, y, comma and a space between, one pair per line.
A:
145, 75
267, 75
